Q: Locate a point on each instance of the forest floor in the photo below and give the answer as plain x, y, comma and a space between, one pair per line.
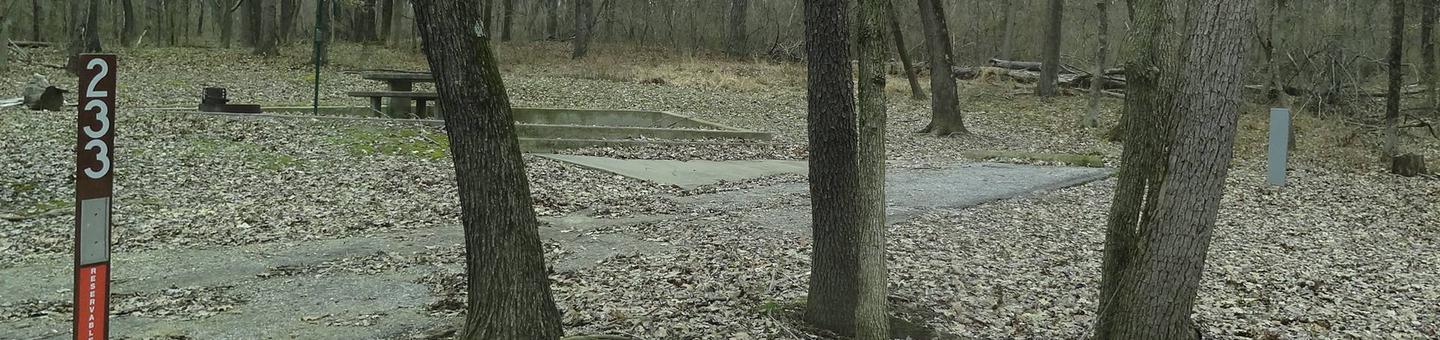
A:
1343, 251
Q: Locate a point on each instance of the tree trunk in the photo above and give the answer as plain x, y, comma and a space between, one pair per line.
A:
583, 16
268, 29
508, 20
227, 21
552, 19
6, 19
915, 90
738, 41
872, 321
946, 118
85, 36
1429, 15
1050, 70
253, 25
387, 16
1392, 103
835, 276
200, 22
1165, 207
1102, 49
289, 12
1007, 48
127, 31
508, 290
364, 22
37, 11
488, 16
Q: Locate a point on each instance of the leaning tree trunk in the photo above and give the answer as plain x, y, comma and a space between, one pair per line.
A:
946, 118
1154, 260
1050, 70
834, 293
738, 41
1392, 103
1429, 15
1102, 49
508, 290
1151, 54
915, 90
871, 319
583, 16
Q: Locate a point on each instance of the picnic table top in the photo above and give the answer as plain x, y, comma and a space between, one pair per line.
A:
398, 76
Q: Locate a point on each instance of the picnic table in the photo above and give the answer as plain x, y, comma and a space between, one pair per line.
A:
401, 85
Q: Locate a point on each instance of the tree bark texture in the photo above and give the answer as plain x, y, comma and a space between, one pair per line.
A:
738, 41
871, 318
253, 24
509, 293
226, 15
1153, 263
915, 90
37, 11
834, 292
946, 118
1102, 49
387, 17
1397, 75
1050, 69
1007, 49
583, 16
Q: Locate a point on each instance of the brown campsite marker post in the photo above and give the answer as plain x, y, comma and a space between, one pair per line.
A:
94, 179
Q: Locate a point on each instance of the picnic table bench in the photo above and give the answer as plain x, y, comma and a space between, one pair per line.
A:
395, 97
399, 83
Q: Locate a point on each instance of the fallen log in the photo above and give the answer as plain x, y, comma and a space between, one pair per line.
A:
29, 44
1016, 65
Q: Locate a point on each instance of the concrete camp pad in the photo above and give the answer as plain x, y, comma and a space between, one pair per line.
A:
686, 174
910, 192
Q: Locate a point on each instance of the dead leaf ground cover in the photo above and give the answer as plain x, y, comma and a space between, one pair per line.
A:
1344, 252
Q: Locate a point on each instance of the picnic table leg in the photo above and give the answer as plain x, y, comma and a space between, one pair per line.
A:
399, 107
375, 105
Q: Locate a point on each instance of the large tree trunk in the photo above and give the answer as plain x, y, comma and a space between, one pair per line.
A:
1050, 70
506, 23
509, 293
1154, 261
1102, 49
738, 42
387, 16
915, 90
364, 22
583, 16
946, 118
268, 29
871, 319
1392, 103
1429, 15
834, 295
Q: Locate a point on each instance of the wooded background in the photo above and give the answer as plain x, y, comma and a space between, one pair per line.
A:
1312, 46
